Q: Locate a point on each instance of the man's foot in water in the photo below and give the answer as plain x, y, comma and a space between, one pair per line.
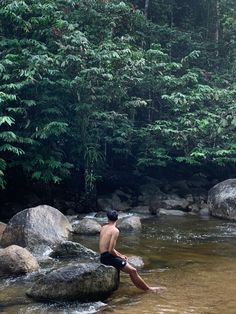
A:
156, 289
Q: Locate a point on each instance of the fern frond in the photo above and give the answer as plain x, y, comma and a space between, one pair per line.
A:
8, 136
6, 119
9, 148
51, 129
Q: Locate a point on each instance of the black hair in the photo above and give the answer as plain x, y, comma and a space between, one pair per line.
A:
112, 215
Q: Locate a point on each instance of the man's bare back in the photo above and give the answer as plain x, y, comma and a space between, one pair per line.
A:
106, 234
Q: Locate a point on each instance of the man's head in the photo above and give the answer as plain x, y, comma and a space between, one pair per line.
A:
112, 215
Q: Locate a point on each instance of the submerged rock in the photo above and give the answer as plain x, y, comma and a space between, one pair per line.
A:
87, 227
15, 260
222, 200
171, 212
36, 226
83, 282
68, 249
136, 261
130, 224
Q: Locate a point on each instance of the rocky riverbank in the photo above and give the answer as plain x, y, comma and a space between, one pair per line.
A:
126, 193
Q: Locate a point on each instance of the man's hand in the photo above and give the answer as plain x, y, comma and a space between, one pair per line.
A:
124, 257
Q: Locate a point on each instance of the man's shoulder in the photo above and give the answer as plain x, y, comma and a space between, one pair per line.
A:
104, 225
112, 229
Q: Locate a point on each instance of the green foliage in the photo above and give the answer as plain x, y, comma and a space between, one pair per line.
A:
92, 85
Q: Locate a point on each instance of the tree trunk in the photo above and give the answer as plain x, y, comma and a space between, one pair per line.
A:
217, 26
171, 26
146, 8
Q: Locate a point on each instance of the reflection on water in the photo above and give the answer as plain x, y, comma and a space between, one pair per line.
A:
194, 259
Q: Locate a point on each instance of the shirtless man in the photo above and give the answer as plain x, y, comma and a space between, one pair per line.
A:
110, 256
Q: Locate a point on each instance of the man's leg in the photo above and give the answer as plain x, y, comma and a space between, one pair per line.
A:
136, 279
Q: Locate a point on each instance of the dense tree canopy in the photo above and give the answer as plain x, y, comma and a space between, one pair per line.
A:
91, 85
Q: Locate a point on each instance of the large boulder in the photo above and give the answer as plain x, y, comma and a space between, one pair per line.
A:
82, 282
41, 225
69, 249
15, 260
2, 228
129, 224
222, 200
87, 226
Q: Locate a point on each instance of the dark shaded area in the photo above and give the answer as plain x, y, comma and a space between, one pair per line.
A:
70, 197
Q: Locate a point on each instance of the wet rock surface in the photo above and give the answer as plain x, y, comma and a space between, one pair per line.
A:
69, 249
82, 282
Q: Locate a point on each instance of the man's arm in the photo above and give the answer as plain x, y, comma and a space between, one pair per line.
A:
120, 255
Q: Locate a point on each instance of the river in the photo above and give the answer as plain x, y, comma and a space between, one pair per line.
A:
193, 257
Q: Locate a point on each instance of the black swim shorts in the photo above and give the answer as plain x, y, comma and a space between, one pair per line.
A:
107, 258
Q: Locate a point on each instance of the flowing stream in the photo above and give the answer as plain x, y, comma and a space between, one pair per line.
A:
194, 258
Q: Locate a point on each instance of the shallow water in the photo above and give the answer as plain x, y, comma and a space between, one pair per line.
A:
194, 258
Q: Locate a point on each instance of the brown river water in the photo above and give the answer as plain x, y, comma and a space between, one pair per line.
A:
194, 258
